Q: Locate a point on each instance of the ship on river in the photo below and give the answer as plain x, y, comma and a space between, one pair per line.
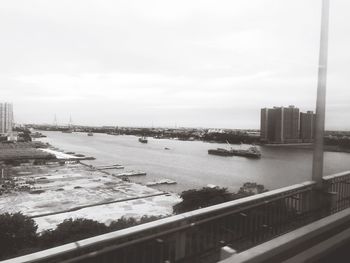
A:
143, 140
251, 152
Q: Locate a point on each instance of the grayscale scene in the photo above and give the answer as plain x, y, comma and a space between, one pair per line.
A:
180, 131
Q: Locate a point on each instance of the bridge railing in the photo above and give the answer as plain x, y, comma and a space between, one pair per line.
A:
195, 235
338, 187
190, 237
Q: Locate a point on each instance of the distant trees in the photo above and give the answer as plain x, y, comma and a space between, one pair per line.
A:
341, 142
234, 138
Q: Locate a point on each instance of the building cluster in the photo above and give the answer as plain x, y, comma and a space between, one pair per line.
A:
286, 125
6, 118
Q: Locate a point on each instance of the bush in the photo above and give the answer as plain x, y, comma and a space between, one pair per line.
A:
129, 222
249, 189
71, 230
195, 199
16, 233
207, 196
122, 223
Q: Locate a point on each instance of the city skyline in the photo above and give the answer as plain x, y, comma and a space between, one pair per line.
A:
132, 64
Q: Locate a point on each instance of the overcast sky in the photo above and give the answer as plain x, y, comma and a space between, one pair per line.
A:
191, 63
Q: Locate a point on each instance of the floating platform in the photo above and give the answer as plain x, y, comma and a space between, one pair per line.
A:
162, 181
108, 167
131, 173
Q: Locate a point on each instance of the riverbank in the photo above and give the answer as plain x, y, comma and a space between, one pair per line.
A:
55, 191
17, 152
309, 146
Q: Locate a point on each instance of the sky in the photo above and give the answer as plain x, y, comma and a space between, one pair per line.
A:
164, 63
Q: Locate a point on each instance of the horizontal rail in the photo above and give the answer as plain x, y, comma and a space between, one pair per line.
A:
337, 175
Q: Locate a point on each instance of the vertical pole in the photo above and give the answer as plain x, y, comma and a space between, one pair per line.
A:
317, 165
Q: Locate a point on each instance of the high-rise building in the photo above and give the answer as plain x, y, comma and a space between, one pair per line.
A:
280, 125
291, 124
307, 123
6, 118
264, 117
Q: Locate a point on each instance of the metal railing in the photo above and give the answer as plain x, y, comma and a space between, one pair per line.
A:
338, 187
198, 236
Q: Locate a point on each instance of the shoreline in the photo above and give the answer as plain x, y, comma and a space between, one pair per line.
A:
65, 188
308, 146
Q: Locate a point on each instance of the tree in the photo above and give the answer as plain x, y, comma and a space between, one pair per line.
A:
207, 196
249, 189
72, 230
16, 232
123, 222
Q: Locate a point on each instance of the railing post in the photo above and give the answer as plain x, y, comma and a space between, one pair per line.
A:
180, 244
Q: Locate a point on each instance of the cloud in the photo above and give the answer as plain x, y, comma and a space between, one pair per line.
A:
131, 61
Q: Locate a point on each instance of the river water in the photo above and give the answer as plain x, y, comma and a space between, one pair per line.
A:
190, 165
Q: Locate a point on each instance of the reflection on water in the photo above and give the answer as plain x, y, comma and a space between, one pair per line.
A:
191, 166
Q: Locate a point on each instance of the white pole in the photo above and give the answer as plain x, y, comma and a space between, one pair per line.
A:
317, 165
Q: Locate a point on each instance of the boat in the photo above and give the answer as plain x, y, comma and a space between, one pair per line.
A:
166, 148
220, 151
90, 134
67, 131
162, 181
251, 152
143, 139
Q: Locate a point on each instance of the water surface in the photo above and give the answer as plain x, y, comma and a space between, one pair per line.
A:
188, 162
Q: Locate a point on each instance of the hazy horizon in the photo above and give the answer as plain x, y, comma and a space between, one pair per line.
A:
163, 63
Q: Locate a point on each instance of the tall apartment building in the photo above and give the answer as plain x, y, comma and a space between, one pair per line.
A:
6, 118
264, 124
307, 123
280, 125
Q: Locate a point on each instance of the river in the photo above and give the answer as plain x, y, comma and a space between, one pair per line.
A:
189, 164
